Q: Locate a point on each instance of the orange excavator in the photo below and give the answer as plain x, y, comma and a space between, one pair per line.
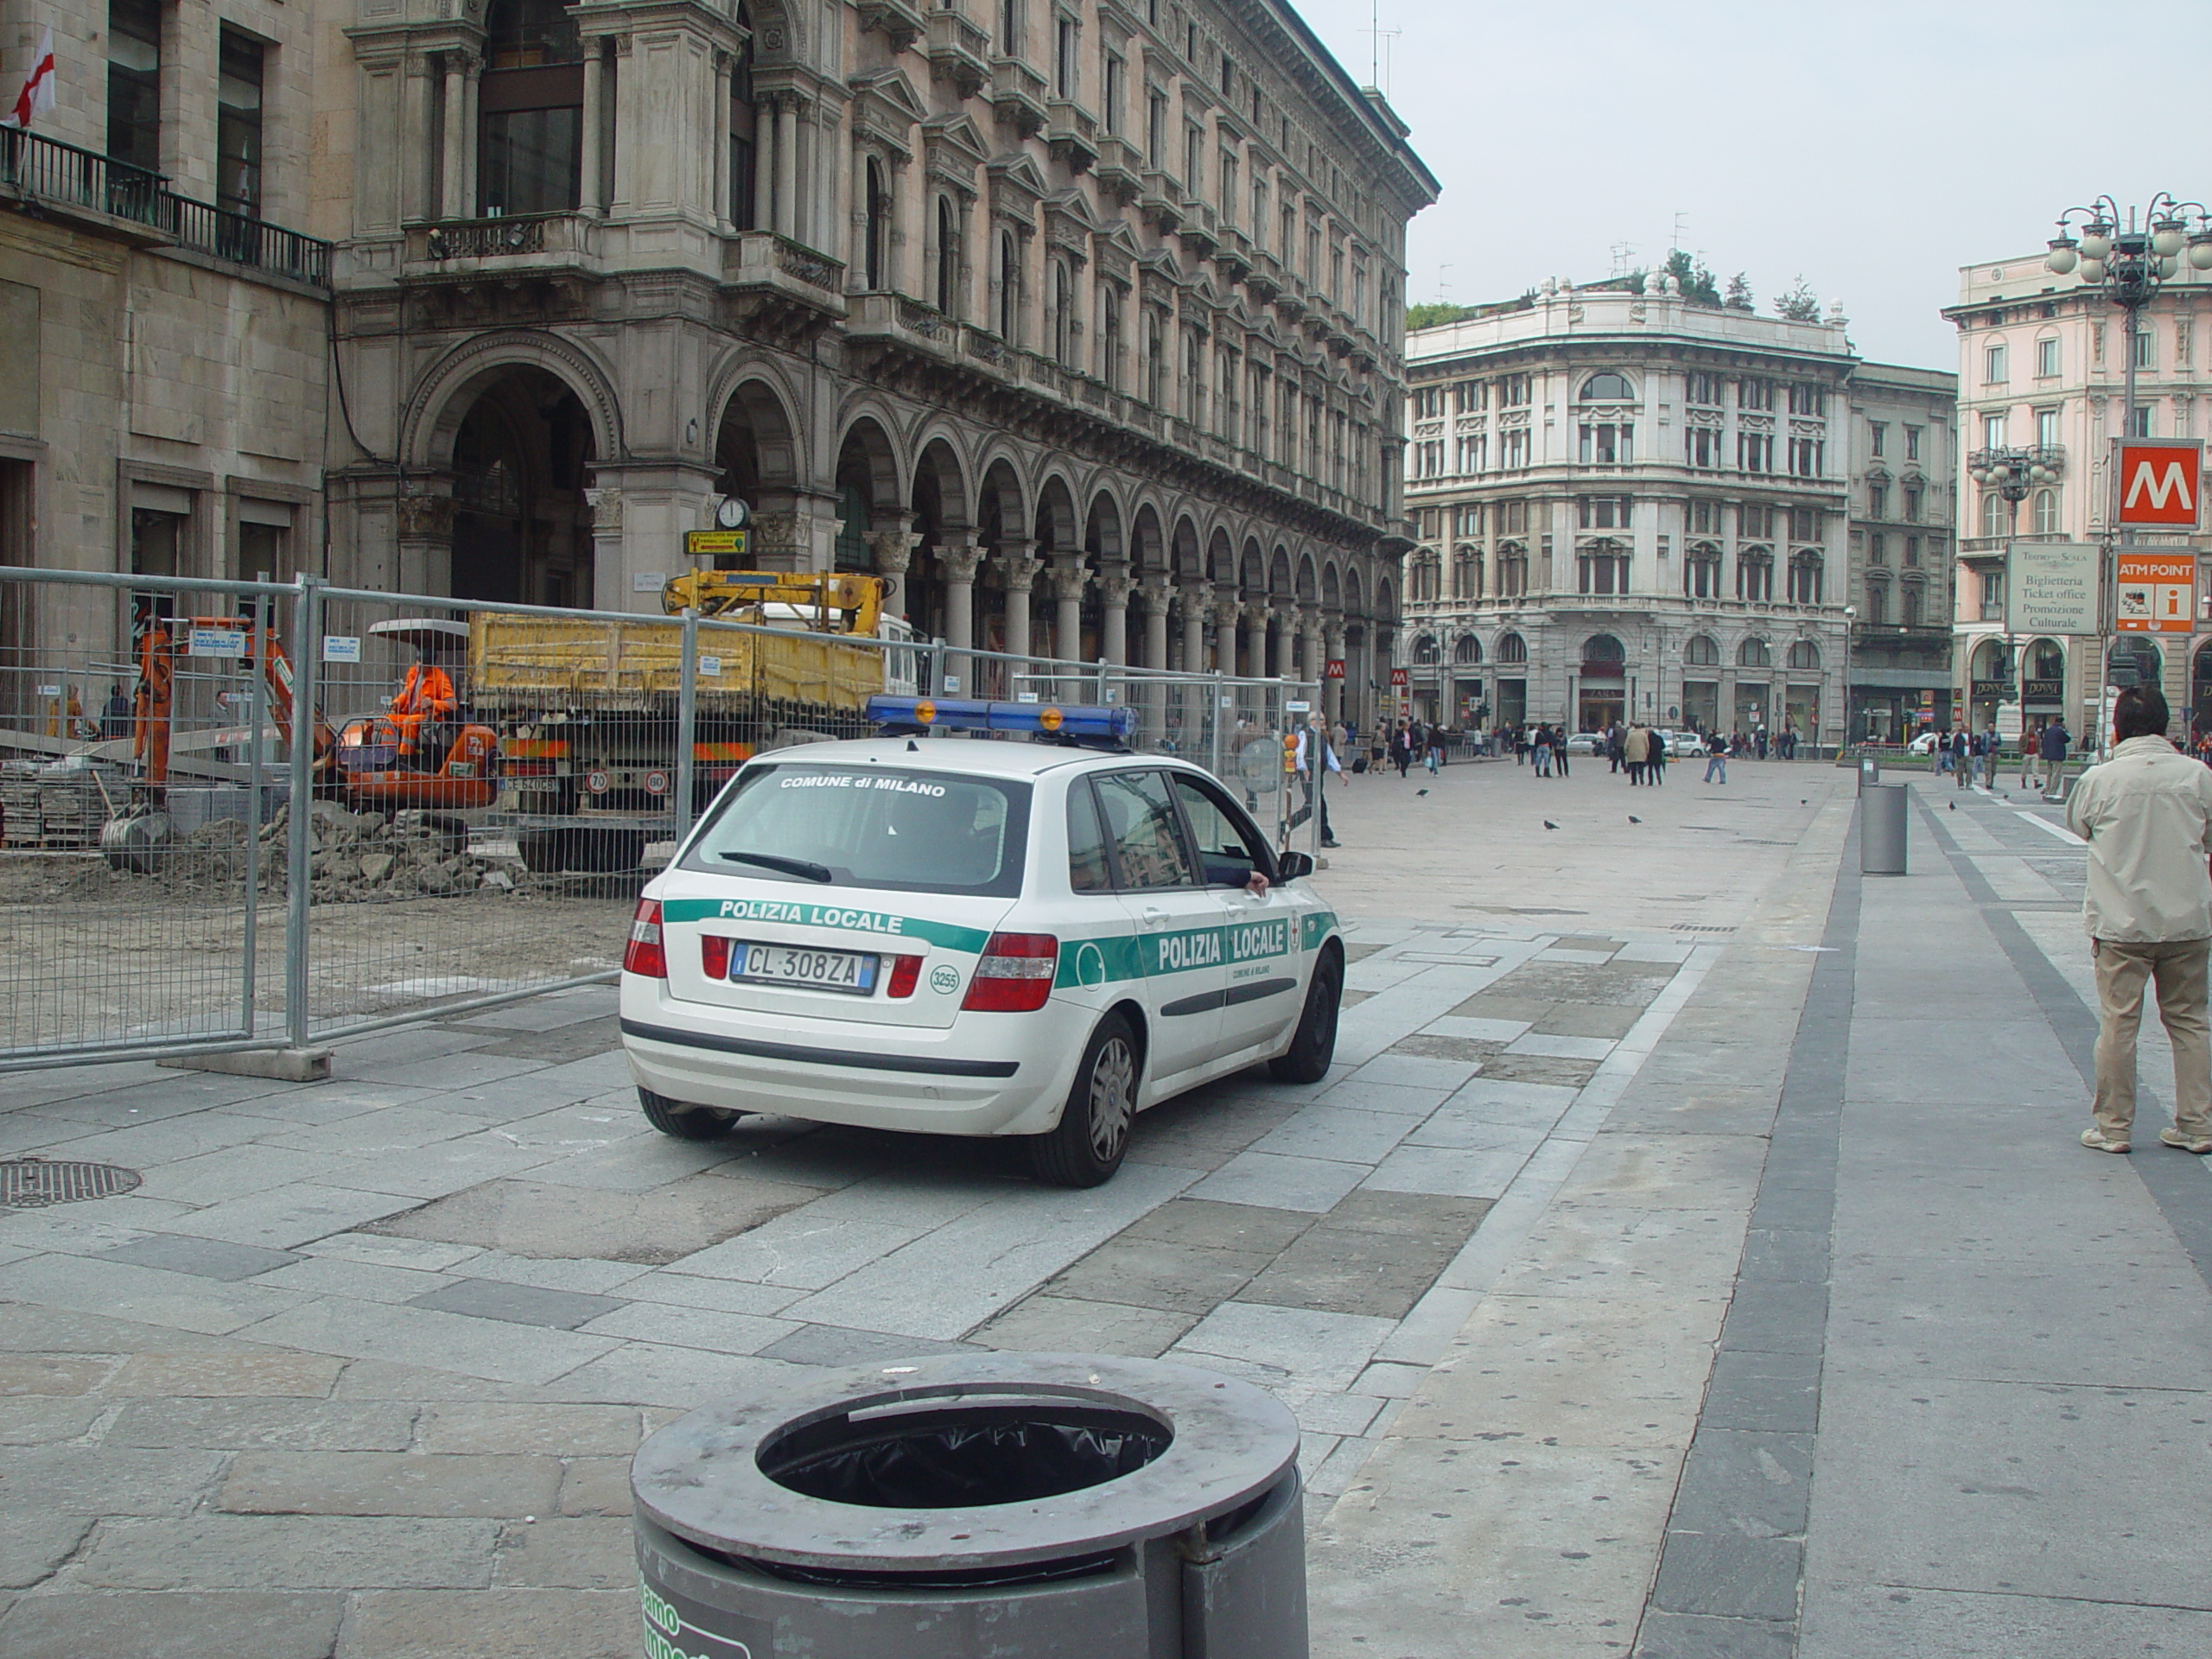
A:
419, 754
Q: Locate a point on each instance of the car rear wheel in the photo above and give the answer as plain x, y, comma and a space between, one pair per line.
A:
1092, 1136
685, 1122
1307, 1058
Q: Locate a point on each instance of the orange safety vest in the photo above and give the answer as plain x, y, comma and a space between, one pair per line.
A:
428, 691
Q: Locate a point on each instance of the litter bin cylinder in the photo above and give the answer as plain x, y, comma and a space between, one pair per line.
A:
1870, 772
1025, 1506
1881, 829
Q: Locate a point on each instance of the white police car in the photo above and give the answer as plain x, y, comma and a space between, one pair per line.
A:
970, 937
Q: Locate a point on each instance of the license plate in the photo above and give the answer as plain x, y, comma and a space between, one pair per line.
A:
796, 964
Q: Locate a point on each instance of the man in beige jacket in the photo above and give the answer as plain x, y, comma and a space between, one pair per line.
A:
2146, 814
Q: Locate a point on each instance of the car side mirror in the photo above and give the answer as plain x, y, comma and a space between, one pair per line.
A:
1289, 866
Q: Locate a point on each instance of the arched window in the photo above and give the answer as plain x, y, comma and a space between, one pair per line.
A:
948, 257
1753, 653
1602, 648
1878, 603
1755, 575
877, 244
1702, 571
1913, 597
1608, 388
1425, 652
531, 108
2046, 512
1512, 649
1010, 289
1805, 579
1155, 366
1467, 650
1063, 314
1703, 651
1803, 653
743, 134
2046, 661
1996, 513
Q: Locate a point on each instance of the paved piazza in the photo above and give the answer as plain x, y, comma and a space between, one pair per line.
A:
1543, 1268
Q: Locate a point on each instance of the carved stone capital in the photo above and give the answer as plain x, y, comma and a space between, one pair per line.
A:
894, 551
1019, 566
778, 532
960, 561
427, 518
1116, 591
1069, 580
1154, 597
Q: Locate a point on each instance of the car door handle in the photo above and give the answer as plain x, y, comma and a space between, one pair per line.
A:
1154, 916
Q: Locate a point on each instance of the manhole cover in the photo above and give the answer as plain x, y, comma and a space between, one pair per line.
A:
1700, 927
30, 1183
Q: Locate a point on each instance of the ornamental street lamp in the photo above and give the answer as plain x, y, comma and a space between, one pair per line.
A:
2010, 473
2128, 263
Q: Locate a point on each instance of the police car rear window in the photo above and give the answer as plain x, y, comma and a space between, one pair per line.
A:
869, 827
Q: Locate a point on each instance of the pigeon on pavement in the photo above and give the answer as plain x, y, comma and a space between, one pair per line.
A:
1549, 824
1632, 819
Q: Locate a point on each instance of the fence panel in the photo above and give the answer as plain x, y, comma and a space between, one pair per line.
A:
481, 790
128, 713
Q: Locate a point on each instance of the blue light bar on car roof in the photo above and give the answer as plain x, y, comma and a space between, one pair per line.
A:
1080, 722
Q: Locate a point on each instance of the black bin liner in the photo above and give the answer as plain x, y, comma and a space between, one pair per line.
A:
965, 1456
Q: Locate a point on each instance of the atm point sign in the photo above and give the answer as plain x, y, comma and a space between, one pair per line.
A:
2160, 483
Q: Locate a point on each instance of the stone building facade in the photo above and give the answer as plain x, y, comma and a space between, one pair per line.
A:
1903, 446
2042, 367
163, 343
1630, 506
1082, 318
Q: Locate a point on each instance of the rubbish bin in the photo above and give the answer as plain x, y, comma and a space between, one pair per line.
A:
1870, 771
1028, 1506
1881, 829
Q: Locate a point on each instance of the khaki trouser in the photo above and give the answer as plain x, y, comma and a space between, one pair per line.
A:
2178, 968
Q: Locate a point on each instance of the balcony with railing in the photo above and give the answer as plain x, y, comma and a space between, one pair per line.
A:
115, 196
807, 287
1072, 131
959, 51
1119, 169
1018, 95
460, 247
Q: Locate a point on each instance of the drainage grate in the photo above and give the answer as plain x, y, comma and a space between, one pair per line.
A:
33, 1183
1700, 927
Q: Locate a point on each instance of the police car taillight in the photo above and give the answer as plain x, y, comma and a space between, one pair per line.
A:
645, 955
906, 973
1015, 976
713, 957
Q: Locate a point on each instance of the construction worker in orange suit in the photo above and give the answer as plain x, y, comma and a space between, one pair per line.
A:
427, 696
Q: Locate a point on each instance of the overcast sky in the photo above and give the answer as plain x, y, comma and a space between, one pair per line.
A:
1872, 147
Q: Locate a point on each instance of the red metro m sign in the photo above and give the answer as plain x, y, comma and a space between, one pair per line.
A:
2160, 484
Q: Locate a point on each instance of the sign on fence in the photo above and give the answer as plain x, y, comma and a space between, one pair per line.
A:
341, 647
216, 642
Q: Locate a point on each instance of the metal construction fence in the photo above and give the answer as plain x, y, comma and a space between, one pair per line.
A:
480, 789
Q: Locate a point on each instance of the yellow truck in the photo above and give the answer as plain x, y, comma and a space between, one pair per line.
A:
587, 709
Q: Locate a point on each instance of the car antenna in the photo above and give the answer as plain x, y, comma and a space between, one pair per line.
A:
912, 747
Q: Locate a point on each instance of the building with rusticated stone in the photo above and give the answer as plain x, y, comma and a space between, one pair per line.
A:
1046, 308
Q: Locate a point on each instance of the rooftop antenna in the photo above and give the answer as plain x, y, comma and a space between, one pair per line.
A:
1443, 282
1623, 252
1676, 246
1378, 62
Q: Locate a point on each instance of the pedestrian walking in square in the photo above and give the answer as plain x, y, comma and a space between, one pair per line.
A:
1559, 749
2146, 814
1716, 757
1636, 749
1655, 760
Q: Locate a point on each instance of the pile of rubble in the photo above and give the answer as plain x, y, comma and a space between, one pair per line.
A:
360, 857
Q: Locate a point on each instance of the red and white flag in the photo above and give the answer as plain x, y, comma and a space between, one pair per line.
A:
37, 95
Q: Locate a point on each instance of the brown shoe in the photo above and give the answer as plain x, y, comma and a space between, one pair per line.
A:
2097, 1141
2182, 1142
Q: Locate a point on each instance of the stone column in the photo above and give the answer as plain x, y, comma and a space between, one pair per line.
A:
455, 104
426, 536
786, 167
958, 555
1020, 568
1194, 630
1069, 579
1309, 623
1113, 633
894, 551
589, 164
723, 182
1152, 597
856, 226
764, 166
1284, 627
1332, 691
472, 83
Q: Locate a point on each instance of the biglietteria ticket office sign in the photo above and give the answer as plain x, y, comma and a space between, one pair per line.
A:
2051, 588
